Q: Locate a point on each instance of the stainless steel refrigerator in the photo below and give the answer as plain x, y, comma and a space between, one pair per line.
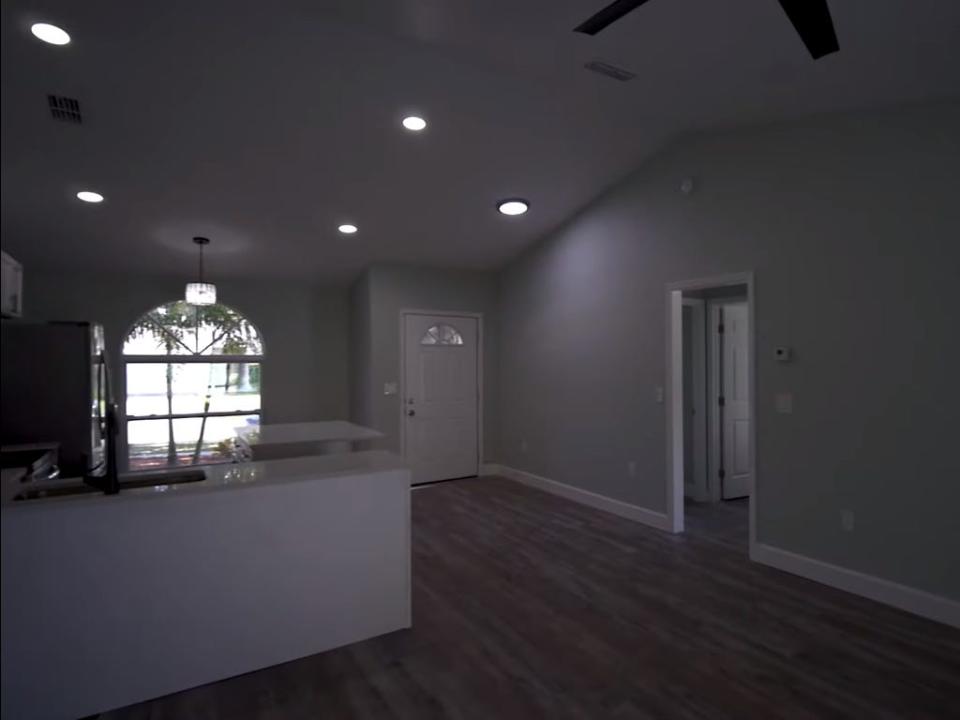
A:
54, 387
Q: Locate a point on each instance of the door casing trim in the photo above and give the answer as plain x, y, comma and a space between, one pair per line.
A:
674, 392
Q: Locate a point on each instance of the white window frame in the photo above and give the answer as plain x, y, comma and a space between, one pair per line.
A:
177, 359
183, 359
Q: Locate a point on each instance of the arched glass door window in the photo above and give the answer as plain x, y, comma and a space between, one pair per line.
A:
192, 378
442, 334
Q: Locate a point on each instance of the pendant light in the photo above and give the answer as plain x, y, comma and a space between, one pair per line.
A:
201, 293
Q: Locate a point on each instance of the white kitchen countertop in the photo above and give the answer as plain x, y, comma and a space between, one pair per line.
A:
305, 432
222, 477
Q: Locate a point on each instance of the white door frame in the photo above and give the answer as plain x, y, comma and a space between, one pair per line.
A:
674, 394
403, 373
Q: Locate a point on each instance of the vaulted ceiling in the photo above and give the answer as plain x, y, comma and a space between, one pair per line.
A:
265, 125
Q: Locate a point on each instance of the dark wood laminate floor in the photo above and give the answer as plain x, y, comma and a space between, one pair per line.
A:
530, 606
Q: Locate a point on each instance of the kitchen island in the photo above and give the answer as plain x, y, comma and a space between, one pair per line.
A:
284, 440
111, 600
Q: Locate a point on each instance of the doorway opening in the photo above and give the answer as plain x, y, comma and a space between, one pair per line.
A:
711, 407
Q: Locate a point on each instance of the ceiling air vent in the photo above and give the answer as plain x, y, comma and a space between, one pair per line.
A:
65, 109
611, 71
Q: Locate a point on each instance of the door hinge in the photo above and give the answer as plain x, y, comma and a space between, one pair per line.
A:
720, 328
721, 401
722, 473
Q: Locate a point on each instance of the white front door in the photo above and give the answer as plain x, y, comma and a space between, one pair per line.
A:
439, 402
735, 372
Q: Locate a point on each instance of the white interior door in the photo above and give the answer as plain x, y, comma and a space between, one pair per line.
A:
440, 399
735, 373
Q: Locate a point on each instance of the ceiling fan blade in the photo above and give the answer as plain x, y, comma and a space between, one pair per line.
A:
812, 20
610, 14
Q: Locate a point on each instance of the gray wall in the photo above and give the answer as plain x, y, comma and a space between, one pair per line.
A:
361, 336
852, 226
304, 328
381, 294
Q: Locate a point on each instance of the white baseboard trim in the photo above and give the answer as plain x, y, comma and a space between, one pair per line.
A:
919, 602
584, 497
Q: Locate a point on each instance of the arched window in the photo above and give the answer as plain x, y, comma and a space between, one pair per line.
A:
193, 378
442, 335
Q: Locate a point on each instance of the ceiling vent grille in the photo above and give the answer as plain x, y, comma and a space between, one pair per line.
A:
65, 109
611, 71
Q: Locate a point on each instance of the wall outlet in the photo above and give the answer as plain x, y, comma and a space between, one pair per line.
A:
632, 468
846, 520
784, 403
658, 394
523, 446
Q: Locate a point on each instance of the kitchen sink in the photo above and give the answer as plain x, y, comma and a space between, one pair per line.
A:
161, 477
127, 482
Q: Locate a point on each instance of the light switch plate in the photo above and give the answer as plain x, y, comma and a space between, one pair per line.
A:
658, 393
390, 388
847, 520
784, 403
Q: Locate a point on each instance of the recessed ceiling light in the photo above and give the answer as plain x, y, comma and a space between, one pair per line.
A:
347, 229
50, 33
90, 196
513, 206
414, 123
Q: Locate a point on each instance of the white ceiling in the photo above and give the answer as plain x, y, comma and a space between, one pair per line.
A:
265, 125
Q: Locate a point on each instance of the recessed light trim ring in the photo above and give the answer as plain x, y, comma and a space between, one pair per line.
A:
513, 206
414, 123
50, 34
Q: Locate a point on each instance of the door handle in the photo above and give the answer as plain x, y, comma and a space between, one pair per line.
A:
411, 413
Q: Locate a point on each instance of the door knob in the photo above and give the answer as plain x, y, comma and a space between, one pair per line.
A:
411, 413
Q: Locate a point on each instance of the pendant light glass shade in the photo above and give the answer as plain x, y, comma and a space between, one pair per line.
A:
200, 292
